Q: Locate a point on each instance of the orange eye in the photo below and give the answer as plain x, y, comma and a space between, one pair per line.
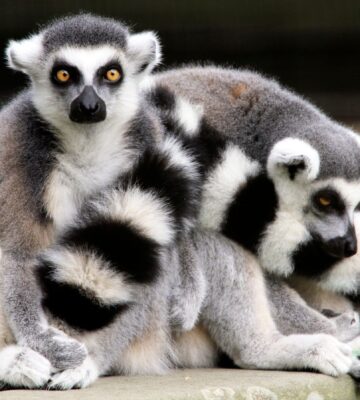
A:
62, 75
112, 75
324, 201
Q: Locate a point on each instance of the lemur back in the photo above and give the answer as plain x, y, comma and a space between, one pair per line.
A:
277, 181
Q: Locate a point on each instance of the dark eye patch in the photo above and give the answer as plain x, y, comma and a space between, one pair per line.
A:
101, 72
328, 200
59, 65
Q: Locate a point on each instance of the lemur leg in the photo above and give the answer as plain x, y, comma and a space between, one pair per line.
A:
237, 314
188, 292
22, 311
293, 315
22, 367
136, 343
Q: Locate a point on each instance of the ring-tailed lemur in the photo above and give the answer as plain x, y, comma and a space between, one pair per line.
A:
70, 256
82, 125
222, 284
105, 279
282, 179
225, 169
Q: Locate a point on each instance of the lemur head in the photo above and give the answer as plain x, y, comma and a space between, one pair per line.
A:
318, 191
85, 69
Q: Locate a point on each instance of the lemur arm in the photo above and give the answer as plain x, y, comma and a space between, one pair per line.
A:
26, 319
26, 148
293, 315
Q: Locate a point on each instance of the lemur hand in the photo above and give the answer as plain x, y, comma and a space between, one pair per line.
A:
62, 351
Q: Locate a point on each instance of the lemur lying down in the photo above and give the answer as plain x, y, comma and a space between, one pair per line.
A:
96, 182
139, 329
281, 178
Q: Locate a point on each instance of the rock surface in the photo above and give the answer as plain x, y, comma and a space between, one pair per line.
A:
206, 384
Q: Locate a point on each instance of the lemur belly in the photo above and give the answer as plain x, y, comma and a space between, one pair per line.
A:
148, 354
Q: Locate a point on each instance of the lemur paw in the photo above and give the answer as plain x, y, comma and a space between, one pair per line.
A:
22, 367
62, 351
347, 325
329, 356
355, 369
75, 378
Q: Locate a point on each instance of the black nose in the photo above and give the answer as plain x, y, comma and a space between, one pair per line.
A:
342, 246
350, 248
88, 107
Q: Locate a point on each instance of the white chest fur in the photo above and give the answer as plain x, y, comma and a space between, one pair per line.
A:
88, 163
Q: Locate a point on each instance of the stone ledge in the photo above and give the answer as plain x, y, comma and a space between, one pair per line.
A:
206, 384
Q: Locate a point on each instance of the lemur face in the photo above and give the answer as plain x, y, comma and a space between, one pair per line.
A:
90, 84
313, 227
86, 81
329, 217
85, 70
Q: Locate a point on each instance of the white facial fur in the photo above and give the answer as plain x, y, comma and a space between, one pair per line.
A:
344, 277
121, 104
294, 222
292, 226
142, 51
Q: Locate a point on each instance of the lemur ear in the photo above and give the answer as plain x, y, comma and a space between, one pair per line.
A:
294, 159
24, 55
145, 50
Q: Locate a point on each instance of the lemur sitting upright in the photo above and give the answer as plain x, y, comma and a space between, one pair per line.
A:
87, 167
282, 179
80, 125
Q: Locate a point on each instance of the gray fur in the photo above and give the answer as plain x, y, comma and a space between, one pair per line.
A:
233, 314
84, 30
256, 112
37, 142
252, 340
253, 113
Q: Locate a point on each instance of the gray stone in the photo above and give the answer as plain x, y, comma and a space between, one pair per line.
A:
206, 384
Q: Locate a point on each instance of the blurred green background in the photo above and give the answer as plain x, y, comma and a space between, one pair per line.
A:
312, 46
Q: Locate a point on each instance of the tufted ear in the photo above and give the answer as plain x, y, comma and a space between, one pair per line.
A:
24, 55
145, 51
294, 159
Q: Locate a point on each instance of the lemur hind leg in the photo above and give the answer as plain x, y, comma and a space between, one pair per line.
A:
237, 314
